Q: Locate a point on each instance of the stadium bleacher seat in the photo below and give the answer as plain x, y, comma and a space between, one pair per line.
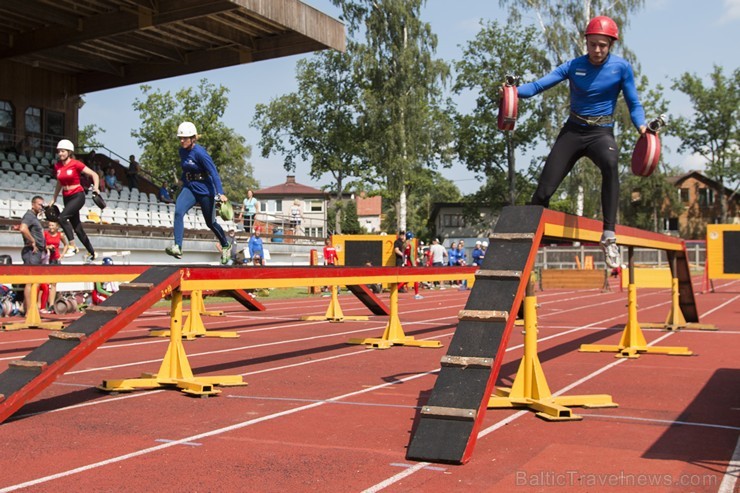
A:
119, 216
6, 166
22, 159
12, 157
18, 208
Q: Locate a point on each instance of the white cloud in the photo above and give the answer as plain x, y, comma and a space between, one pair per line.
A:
732, 10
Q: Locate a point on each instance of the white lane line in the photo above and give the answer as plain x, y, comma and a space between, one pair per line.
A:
668, 422
729, 480
244, 424
200, 436
228, 350
398, 477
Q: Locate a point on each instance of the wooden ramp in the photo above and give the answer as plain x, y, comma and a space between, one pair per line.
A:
25, 378
368, 298
245, 299
449, 422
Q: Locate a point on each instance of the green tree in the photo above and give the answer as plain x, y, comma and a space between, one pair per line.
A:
404, 127
350, 220
318, 123
426, 189
713, 131
87, 138
645, 202
496, 52
162, 112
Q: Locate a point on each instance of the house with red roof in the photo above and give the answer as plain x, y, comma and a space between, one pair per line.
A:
369, 212
292, 208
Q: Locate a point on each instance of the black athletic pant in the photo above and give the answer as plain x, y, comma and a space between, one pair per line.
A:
574, 142
69, 219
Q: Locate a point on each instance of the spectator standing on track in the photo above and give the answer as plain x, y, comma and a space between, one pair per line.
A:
462, 260
399, 247
249, 210
477, 252
132, 173
595, 79
452, 257
330, 257
437, 254
69, 172
201, 185
409, 257
330, 253
34, 243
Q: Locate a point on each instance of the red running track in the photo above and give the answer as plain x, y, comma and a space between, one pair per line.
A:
321, 415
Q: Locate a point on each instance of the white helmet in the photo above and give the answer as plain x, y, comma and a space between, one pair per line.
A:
485, 244
186, 129
66, 145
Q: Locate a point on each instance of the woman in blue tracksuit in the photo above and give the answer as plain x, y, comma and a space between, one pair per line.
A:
595, 82
201, 184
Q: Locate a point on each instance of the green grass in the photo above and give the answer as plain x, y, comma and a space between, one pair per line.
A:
272, 294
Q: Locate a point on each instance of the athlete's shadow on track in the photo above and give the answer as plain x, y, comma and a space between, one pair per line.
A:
228, 365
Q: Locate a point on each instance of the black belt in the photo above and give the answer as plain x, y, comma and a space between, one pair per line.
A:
195, 176
593, 121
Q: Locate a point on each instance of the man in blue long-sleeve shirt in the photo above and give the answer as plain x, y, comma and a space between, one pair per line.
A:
595, 82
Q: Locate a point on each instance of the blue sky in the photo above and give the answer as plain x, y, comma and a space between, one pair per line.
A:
669, 37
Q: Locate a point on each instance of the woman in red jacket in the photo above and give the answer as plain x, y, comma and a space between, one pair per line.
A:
68, 172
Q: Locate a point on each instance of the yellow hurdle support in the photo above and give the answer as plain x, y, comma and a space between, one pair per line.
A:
676, 319
530, 389
194, 326
334, 311
33, 317
175, 369
633, 342
393, 334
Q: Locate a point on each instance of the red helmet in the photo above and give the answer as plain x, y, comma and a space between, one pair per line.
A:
603, 25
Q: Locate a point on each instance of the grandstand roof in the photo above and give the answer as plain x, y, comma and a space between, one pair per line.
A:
112, 43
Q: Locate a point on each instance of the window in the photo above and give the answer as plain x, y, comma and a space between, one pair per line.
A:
683, 194
671, 224
7, 124
54, 125
32, 126
316, 206
271, 206
317, 232
453, 220
706, 197
43, 128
